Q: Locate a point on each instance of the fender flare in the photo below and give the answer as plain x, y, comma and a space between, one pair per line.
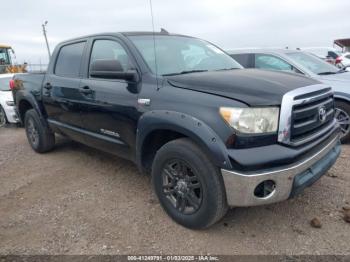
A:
35, 105
342, 96
187, 125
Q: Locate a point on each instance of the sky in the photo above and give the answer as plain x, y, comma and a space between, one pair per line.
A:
229, 24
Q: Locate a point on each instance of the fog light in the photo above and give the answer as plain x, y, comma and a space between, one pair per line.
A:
265, 189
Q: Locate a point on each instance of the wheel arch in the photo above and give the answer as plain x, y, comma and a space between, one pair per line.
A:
26, 103
158, 127
342, 97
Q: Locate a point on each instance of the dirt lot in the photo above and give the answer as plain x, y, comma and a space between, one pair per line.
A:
77, 200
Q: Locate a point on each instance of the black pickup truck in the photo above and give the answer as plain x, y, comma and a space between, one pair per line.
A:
211, 134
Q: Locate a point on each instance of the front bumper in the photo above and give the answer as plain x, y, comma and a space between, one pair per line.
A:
289, 180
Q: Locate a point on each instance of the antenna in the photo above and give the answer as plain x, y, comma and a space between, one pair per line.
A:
47, 43
154, 43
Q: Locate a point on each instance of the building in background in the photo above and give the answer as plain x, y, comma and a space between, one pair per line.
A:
344, 44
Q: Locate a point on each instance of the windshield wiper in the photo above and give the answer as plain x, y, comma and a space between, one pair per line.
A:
327, 73
185, 72
226, 69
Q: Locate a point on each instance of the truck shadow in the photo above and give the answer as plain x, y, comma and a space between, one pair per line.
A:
64, 145
10, 126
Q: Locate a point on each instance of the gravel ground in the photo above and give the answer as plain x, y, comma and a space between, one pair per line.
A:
77, 200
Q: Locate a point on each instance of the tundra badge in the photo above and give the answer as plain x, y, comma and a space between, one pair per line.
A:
144, 101
110, 133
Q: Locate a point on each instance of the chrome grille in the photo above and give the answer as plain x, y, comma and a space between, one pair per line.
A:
306, 118
306, 113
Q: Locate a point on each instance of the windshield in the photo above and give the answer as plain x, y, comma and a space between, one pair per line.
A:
177, 54
313, 63
5, 83
4, 56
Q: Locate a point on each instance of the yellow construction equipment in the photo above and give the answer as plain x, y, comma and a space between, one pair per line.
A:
6, 63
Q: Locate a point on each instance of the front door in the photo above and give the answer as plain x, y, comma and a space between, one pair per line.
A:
110, 116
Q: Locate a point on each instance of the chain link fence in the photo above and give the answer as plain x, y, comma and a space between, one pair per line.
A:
24, 68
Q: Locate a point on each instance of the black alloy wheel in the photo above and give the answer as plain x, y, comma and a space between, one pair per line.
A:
182, 187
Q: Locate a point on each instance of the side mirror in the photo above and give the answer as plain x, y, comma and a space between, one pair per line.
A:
111, 69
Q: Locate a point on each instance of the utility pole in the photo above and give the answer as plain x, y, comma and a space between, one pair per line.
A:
47, 43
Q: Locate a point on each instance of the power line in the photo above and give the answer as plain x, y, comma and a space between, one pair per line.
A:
47, 43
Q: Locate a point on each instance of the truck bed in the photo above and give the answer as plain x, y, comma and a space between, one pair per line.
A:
29, 83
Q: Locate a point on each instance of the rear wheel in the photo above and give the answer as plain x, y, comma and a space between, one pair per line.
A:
40, 137
189, 187
342, 114
3, 120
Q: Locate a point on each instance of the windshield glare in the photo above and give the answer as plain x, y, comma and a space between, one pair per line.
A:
176, 54
313, 63
5, 84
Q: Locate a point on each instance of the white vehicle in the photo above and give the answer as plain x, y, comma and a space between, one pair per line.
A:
7, 106
345, 57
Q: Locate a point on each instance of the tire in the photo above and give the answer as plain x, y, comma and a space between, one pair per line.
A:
3, 118
196, 200
342, 114
40, 137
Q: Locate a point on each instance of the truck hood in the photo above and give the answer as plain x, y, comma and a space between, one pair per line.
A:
251, 86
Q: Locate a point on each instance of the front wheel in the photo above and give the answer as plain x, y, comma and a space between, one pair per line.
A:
342, 114
189, 187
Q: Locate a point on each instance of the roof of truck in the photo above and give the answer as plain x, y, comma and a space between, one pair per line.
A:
131, 33
150, 33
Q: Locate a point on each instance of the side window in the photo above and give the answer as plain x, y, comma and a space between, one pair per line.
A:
4, 59
69, 60
271, 63
110, 50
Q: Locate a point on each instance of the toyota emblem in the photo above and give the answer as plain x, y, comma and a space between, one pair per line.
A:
322, 114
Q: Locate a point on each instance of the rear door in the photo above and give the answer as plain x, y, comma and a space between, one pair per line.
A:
110, 116
61, 94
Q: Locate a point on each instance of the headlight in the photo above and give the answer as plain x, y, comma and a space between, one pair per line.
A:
252, 120
10, 103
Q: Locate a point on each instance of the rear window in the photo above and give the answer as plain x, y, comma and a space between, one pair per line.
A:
69, 60
5, 83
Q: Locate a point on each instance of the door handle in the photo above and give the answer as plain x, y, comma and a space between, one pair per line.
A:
86, 90
48, 86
